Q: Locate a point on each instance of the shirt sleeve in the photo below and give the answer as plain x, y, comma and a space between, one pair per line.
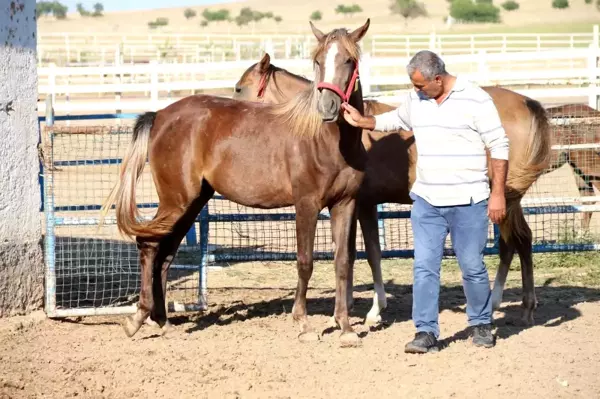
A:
488, 124
395, 119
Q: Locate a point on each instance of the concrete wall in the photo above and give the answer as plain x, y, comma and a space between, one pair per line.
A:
21, 258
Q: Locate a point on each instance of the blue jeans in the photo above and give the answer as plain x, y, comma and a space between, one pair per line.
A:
468, 228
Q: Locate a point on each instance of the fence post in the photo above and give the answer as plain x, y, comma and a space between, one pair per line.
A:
432, 41
482, 68
593, 94
49, 239
204, 225
52, 82
154, 84
381, 227
365, 74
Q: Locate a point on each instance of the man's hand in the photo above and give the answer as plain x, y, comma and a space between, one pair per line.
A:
354, 118
497, 202
497, 208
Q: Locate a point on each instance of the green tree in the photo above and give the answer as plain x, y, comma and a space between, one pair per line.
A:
189, 13
316, 16
408, 9
98, 10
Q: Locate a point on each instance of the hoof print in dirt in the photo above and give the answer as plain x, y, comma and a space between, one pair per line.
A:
309, 336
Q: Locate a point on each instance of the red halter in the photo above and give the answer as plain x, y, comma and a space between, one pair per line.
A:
344, 96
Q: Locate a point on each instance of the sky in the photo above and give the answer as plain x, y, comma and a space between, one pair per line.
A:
122, 5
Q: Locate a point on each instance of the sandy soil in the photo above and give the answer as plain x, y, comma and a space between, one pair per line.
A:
246, 345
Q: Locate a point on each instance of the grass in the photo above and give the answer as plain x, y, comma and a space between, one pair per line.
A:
580, 269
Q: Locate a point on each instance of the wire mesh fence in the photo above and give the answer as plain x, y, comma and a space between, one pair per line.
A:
93, 270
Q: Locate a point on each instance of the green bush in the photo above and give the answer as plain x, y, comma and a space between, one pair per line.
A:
467, 11
219, 15
560, 4
344, 9
189, 13
158, 22
316, 16
510, 5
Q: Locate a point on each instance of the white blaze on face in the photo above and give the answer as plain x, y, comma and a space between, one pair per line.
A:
330, 63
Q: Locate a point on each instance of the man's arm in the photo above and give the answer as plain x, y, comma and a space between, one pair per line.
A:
395, 119
489, 126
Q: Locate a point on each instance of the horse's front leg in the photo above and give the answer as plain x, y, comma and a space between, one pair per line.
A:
343, 224
306, 223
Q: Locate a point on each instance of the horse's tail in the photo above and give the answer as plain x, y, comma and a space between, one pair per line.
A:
525, 171
123, 194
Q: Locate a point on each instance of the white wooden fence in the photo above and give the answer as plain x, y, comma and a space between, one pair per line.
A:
108, 48
557, 74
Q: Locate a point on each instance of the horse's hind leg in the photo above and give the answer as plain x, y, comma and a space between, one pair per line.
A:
167, 251
367, 216
507, 252
147, 249
152, 252
524, 246
306, 223
156, 255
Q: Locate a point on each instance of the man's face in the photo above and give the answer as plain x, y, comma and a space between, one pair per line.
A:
427, 88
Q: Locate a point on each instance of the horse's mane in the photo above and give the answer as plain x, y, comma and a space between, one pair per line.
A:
300, 113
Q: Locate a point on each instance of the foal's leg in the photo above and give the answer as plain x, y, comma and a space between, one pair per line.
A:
306, 223
152, 252
147, 249
168, 249
507, 252
523, 244
368, 224
343, 218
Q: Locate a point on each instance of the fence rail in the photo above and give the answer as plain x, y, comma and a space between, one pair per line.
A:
109, 48
145, 86
94, 272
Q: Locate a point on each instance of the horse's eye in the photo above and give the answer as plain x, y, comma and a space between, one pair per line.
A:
348, 61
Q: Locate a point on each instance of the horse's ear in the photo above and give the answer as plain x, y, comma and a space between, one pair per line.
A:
264, 64
318, 34
358, 34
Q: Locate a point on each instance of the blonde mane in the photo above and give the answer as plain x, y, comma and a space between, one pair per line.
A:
300, 113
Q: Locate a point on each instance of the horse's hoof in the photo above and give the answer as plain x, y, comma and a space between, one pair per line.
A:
527, 319
332, 323
309, 336
350, 339
151, 322
165, 329
371, 320
131, 326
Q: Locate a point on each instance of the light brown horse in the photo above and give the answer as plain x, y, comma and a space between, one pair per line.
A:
299, 153
390, 172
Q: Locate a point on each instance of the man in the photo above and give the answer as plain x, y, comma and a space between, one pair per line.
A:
453, 122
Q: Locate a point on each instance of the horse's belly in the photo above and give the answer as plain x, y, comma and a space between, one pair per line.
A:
256, 185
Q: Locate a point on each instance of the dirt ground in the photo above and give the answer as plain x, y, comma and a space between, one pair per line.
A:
245, 345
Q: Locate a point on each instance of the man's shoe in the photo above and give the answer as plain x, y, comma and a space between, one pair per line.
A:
482, 336
424, 342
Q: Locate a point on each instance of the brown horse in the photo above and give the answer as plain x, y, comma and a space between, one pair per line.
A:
299, 153
390, 172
